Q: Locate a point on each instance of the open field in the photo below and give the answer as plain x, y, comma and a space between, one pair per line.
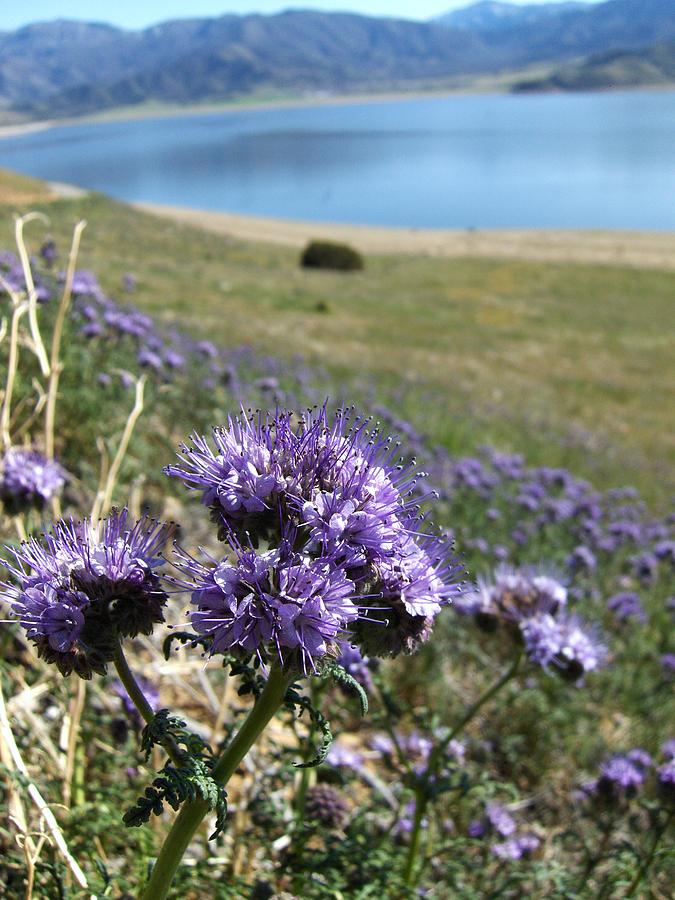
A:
525, 748
570, 363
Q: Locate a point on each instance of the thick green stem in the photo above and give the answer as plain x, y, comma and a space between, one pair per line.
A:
435, 759
191, 814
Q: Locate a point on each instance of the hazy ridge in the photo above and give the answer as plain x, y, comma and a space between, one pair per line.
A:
64, 68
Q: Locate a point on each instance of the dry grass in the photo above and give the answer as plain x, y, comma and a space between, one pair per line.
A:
20, 190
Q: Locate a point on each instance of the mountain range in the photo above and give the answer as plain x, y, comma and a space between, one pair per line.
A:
67, 68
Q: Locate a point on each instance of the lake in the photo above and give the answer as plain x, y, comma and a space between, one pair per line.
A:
537, 161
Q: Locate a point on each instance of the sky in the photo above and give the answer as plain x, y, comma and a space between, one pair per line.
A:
140, 13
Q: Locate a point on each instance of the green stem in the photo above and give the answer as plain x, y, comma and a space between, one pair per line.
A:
435, 758
138, 698
472, 711
307, 775
644, 868
132, 687
416, 834
191, 814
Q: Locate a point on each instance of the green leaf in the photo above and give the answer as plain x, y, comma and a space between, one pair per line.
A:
340, 676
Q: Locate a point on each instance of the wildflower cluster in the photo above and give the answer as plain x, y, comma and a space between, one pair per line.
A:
28, 480
624, 776
497, 822
531, 606
327, 544
85, 585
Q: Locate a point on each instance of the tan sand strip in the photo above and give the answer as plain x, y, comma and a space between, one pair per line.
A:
652, 250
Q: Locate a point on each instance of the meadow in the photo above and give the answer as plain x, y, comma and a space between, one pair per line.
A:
523, 750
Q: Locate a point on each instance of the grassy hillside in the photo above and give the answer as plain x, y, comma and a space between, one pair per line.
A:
566, 363
652, 66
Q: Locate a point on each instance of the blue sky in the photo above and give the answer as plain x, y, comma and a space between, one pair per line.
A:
135, 14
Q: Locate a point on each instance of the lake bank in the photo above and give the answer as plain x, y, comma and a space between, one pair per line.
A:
653, 250
480, 84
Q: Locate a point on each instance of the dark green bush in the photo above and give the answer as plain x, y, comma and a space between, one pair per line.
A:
328, 255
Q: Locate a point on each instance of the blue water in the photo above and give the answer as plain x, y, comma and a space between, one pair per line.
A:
558, 161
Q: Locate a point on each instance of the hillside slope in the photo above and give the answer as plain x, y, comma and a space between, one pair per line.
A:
653, 66
72, 68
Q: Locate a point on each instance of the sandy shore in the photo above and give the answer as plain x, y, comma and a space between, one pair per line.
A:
653, 250
9, 131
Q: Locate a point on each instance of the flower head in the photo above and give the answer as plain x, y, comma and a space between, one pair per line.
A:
564, 643
619, 778
517, 847
665, 776
350, 559
85, 585
272, 603
512, 596
325, 805
28, 480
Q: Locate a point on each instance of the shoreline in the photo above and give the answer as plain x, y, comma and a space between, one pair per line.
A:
132, 114
477, 86
638, 249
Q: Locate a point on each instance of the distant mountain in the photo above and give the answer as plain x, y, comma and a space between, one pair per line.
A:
568, 33
651, 66
67, 68
491, 15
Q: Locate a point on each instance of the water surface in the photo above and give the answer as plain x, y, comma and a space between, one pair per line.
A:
554, 161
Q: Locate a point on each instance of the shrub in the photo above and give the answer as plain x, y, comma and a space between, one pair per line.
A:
329, 255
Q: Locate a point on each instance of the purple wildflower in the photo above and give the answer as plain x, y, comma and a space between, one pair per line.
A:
665, 777
28, 480
325, 805
174, 359
627, 605
48, 252
85, 585
342, 757
206, 348
646, 567
512, 596
564, 643
129, 282
640, 758
272, 603
518, 847
149, 359
332, 490
500, 820
477, 829
92, 330
668, 663
85, 284
619, 777
665, 550
355, 664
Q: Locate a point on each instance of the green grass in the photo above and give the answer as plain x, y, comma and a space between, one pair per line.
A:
570, 364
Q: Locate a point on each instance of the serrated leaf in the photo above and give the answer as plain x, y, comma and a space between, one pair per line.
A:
342, 677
